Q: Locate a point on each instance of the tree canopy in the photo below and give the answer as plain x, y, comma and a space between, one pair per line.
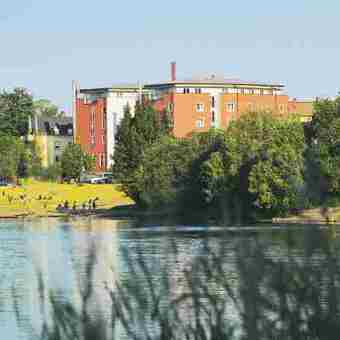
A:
324, 146
134, 136
74, 161
44, 107
15, 109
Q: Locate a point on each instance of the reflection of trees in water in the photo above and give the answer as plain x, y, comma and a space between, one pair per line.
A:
247, 287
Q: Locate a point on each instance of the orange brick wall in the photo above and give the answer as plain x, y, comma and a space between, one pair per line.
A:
303, 109
249, 102
185, 115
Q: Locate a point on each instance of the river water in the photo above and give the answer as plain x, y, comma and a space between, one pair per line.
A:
116, 279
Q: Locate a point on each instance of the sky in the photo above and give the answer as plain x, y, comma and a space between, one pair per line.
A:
44, 44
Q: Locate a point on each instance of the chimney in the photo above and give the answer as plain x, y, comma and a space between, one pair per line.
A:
173, 71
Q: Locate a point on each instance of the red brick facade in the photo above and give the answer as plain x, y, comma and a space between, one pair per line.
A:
91, 129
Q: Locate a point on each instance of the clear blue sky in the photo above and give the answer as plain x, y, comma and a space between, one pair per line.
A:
45, 44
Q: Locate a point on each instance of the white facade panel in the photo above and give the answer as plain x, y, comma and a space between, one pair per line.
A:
116, 103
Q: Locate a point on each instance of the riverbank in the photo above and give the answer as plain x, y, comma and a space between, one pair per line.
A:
41, 199
320, 215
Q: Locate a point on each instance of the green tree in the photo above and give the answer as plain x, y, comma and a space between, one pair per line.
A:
260, 167
134, 135
74, 161
15, 109
324, 148
11, 151
163, 175
44, 107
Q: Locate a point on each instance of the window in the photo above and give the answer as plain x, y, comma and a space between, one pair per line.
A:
212, 101
170, 107
200, 107
186, 90
103, 139
213, 116
247, 91
282, 108
200, 123
101, 160
251, 107
257, 91
231, 107
104, 120
198, 91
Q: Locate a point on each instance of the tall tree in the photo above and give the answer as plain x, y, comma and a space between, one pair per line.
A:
11, 152
134, 135
15, 109
323, 154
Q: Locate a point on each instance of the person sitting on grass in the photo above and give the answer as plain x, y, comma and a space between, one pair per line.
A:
66, 205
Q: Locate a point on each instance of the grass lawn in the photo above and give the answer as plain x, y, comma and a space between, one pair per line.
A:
25, 199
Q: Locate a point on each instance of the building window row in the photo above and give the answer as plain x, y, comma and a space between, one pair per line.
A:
231, 107
233, 90
252, 91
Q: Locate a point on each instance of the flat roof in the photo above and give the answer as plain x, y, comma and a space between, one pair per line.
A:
123, 86
208, 82
213, 81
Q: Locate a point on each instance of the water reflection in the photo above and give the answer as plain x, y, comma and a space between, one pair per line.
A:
102, 279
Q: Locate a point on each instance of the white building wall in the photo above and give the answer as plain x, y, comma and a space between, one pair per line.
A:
116, 103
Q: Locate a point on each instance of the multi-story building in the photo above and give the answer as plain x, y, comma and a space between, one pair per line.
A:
51, 135
204, 103
195, 105
98, 112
